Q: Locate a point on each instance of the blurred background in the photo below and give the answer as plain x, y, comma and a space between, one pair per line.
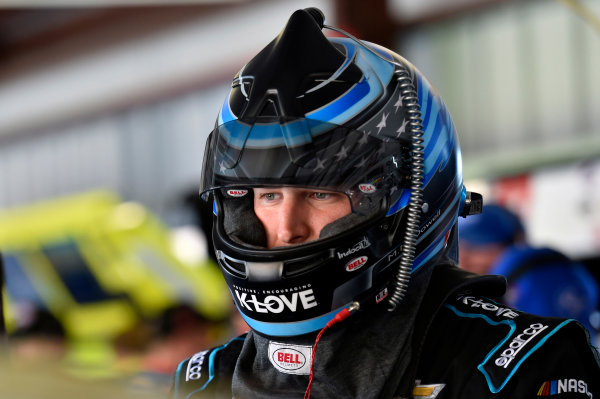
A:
105, 107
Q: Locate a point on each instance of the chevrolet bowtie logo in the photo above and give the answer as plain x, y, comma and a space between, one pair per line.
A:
428, 391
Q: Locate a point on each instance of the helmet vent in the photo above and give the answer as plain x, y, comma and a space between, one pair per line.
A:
305, 264
231, 265
269, 109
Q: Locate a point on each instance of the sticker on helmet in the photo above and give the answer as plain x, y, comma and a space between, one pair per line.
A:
382, 295
362, 244
237, 193
367, 188
356, 264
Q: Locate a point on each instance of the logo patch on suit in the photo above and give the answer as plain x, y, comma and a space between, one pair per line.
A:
194, 366
290, 359
428, 391
565, 385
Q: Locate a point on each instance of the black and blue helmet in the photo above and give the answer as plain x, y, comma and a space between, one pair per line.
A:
336, 114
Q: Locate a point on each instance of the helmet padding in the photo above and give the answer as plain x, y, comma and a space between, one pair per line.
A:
241, 223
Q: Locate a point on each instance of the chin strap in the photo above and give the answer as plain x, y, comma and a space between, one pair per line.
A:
340, 316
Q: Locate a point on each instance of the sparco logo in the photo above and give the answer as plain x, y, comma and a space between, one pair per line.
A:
194, 367
277, 303
518, 343
289, 359
364, 243
356, 264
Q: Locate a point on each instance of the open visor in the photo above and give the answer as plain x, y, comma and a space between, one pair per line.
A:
307, 153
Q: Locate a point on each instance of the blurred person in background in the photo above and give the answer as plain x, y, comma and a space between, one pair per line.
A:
334, 172
484, 237
541, 281
546, 282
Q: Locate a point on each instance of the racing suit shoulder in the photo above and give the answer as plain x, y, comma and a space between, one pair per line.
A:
476, 347
207, 374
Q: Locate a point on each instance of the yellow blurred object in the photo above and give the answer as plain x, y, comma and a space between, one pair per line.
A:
99, 266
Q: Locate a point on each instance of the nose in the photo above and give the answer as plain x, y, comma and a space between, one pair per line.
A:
293, 222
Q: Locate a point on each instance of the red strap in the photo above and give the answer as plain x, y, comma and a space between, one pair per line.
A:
341, 315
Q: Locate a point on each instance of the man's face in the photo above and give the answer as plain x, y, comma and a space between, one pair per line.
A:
296, 215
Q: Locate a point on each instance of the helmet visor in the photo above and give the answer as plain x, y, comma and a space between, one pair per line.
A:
370, 171
307, 153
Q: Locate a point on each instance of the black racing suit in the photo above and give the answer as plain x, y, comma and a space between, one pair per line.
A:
448, 342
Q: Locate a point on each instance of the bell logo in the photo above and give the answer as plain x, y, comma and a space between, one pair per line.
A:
356, 264
367, 188
289, 359
237, 193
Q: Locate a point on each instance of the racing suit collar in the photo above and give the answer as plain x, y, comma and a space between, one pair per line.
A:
372, 354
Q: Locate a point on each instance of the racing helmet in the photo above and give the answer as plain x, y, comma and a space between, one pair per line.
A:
333, 114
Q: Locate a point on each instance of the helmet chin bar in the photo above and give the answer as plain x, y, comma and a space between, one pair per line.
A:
264, 271
296, 290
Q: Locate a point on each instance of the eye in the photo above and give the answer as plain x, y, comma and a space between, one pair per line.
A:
321, 196
269, 196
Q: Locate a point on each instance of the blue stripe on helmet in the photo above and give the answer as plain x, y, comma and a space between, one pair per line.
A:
377, 74
448, 209
438, 244
425, 101
226, 115
440, 155
439, 134
292, 328
400, 204
346, 106
296, 133
235, 134
426, 255
435, 126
